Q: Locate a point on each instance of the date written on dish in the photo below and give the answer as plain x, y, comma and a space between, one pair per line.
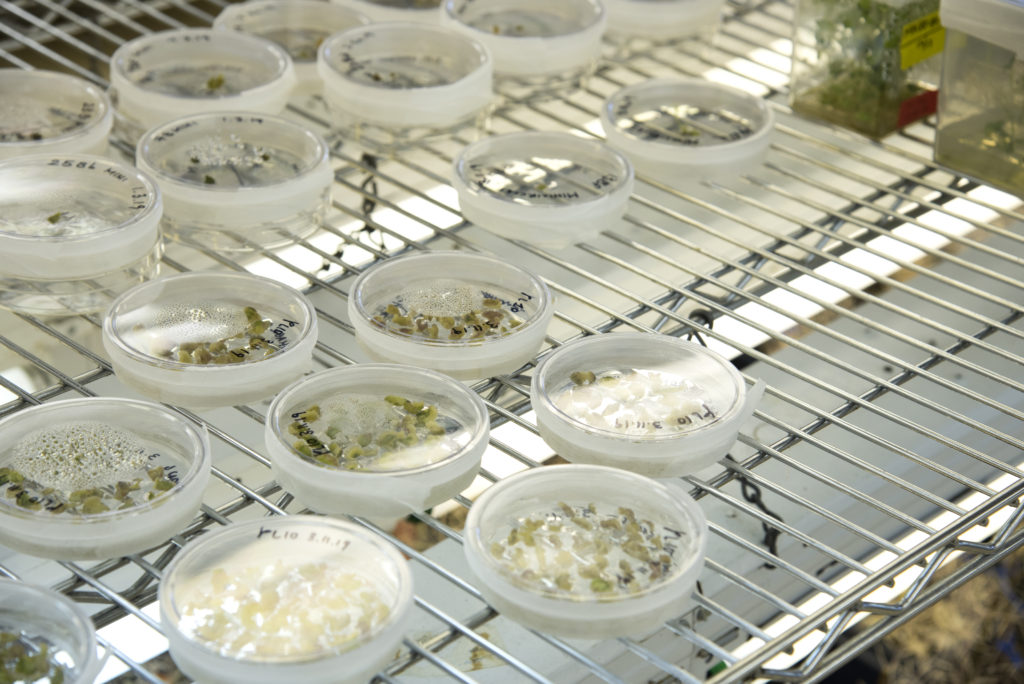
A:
312, 537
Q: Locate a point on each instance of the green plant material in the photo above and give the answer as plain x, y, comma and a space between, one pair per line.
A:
248, 344
24, 660
209, 180
583, 377
215, 83
53, 218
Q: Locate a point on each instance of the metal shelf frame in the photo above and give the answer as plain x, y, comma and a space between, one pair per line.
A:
878, 294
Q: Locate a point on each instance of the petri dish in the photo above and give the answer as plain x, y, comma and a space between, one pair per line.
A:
76, 231
549, 189
662, 21
47, 112
204, 340
482, 317
585, 551
419, 11
169, 74
378, 440
94, 478
651, 404
539, 47
299, 26
45, 636
393, 83
238, 181
285, 599
676, 129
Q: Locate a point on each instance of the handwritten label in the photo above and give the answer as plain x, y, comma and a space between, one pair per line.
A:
921, 39
313, 537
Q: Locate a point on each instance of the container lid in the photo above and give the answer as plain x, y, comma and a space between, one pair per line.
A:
532, 37
423, 11
236, 169
546, 188
404, 74
94, 477
299, 26
674, 123
44, 636
284, 591
74, 216
661, 19
50, 112
1000, 22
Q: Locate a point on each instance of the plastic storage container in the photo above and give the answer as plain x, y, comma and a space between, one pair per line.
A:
687, 130
981, 101
46, 637
651, 404
391, 84
585, 551
868, 65
420, 11
169, 74
239, 181
299, 26
285, 599
468, 315
550, 189
47, 112
376, 440
539, 46
662, 21
204, 340
94, 478
75, 232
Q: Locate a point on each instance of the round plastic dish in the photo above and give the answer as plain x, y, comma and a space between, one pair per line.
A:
285, 599
468, 315
688, 129
652, 404
537, 45
585, 551
204, 340
389, 84
239, 181
92, 478
75, 232
43, 621
376, 440
550, 189
299, 26
662, 21
170, 74
47, 112
420, 11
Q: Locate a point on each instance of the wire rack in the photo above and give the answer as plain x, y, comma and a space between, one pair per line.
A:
877, 294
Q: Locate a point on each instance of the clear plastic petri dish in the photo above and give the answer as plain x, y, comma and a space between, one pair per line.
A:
205, 339
539, 47
377, 440
299, 26
391, 84
549, 189
169, 74
662, 21
238, 181
93, 478
585, 551
75, 232
467, 315
46, 112
419, 11
285, 599
45, 637
651, 404
683, 130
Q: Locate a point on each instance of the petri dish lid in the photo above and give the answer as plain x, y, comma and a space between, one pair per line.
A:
532, 37
640, 387
236, 168
96, 477
74, 216
406, 74
677, 124
543, 187
661, 19
40, 619
50, 112
342, 586
420, 11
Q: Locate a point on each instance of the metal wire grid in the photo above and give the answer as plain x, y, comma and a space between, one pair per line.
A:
878, 294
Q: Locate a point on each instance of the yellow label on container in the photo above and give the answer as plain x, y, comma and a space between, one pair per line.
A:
921, 39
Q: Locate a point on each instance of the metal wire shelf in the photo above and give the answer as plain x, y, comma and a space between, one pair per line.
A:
877, 294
